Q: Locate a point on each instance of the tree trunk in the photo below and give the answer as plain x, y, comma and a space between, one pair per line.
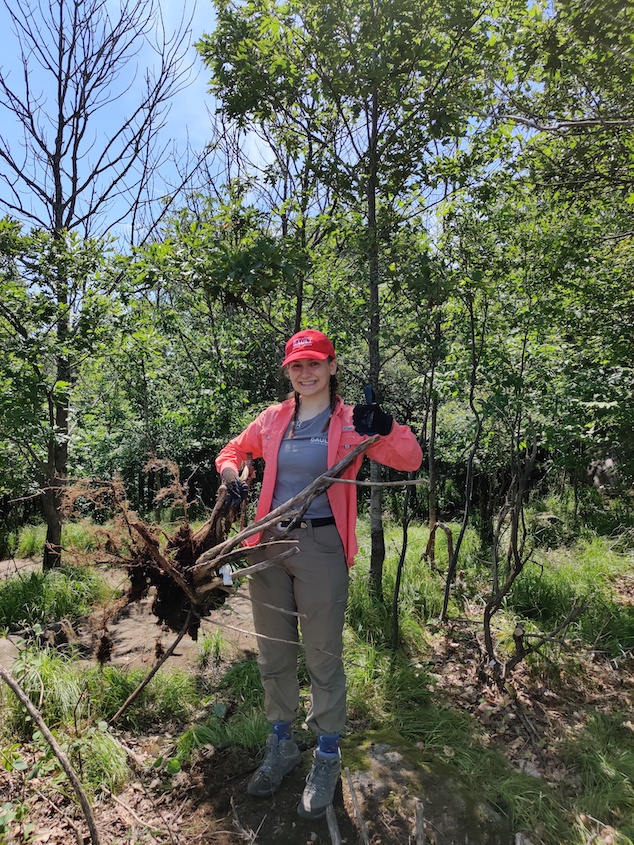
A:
52, 514
57, 464
377, 537
485, 510
377, 557
430, 552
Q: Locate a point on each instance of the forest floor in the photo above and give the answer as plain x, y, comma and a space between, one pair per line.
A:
206, 802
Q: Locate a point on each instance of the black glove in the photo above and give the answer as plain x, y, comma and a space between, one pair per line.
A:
237, 491
370, 418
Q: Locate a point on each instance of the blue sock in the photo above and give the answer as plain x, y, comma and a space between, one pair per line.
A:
282, 729
328, 744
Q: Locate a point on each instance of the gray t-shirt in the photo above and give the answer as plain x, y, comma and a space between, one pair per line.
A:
300, 461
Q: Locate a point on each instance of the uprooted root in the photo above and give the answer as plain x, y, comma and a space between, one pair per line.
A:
136, 547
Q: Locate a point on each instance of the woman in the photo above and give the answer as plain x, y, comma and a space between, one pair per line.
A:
299, 440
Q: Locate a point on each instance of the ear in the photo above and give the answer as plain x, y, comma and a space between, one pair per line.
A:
333, 367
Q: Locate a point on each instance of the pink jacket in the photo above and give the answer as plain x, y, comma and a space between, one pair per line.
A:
262, 438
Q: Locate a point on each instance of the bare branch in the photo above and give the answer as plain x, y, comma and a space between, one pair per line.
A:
153, 670
55, 747
295, 507
405, 483
85, 59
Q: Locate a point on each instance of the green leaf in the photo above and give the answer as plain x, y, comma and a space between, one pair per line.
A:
173, 766
219, 710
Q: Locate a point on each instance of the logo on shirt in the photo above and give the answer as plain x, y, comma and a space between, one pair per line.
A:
322, 440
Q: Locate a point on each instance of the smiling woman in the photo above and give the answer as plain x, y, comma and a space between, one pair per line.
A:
299, 440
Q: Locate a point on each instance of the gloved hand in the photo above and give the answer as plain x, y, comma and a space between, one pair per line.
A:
371, 418
237, 491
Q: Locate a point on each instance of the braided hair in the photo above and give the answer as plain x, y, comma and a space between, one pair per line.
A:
334, 390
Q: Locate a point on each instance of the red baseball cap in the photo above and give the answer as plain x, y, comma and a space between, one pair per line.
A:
308, 344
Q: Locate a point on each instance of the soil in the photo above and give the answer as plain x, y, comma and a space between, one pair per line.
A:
377, 803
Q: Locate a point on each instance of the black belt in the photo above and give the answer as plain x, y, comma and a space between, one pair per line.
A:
315, 523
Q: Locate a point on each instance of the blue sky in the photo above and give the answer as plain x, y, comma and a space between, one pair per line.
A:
188, 109
188, 121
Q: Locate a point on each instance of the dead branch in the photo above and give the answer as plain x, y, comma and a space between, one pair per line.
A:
79, 836
516, 558
273, 607
357, 808
293, 508
152, 829
405, 483
420, 822
333, 827
152, 671
256, 567
430, 550
263, 637
63, 759
249, 835
520, 636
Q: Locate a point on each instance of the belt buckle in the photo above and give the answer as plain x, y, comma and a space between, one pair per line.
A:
291, 524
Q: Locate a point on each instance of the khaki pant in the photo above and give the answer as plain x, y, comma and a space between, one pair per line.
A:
314, 584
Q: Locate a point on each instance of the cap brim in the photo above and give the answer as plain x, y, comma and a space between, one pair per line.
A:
303, 354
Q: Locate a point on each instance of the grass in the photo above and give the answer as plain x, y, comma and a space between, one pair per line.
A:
98, 758
581, 573
386, 689
211, 650
247, 729
68, 695
43, 597
170, 698
78, 536
602, 758
31, 540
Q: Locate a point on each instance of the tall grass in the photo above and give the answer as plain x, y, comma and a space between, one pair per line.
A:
235, 713
42, 597
31, 540
602, 757
67, 694
80, 535
420, 593
582, 573
171, 697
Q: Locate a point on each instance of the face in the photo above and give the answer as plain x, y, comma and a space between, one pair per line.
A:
310, 377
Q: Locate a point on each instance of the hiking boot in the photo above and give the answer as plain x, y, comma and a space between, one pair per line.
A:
320, 786
280, 758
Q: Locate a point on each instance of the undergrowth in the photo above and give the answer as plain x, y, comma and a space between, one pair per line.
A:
42, 597
386, 689
582, 573
66, 693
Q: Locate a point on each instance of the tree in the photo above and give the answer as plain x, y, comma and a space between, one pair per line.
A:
69, 177
394, 85
575, 96
45, 334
